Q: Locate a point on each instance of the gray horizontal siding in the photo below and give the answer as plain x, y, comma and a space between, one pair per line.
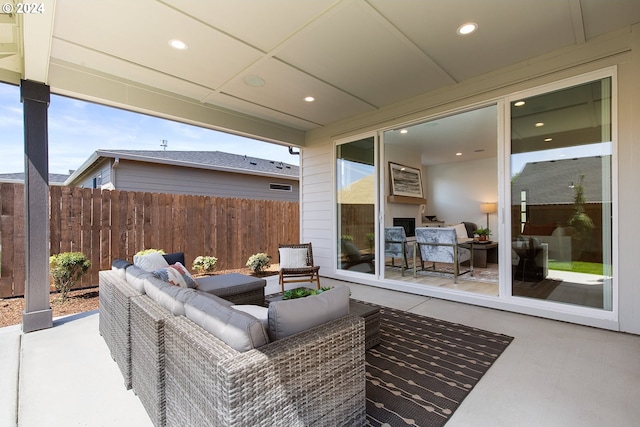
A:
136, 176
103, 167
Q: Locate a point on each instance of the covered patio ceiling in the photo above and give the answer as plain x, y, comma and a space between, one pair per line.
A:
249, 64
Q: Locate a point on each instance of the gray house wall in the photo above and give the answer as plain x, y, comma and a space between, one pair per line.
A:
104, 168
157, 178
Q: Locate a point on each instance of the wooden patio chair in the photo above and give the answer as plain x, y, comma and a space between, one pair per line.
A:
296, 264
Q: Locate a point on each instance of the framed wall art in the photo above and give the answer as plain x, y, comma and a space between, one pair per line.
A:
405, 181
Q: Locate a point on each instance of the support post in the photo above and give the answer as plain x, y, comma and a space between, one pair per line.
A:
37, 313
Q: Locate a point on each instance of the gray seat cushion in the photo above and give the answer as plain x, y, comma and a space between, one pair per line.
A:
229, 284
136, 276
237, 329
120, 266
173, 298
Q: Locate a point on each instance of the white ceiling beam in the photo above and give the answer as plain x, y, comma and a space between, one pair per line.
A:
578, 22
37, 31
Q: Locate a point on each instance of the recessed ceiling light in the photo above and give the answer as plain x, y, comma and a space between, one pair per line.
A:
539, 124
548, 139
255, 81
519, 103
309, 98
467, 28
458, 154
404, 131
178, 44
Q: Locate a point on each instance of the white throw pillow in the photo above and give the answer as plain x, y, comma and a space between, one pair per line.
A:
293, 257
150, 262
461, 232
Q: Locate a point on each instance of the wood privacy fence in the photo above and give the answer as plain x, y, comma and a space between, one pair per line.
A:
105, 225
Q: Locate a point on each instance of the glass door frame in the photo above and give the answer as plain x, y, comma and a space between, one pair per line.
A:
505, 300
557, 308
359, 276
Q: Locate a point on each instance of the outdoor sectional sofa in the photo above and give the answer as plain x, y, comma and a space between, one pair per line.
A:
197, 359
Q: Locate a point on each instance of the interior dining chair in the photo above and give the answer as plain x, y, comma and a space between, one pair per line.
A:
296, 264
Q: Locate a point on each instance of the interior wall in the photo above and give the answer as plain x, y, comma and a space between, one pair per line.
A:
456, 190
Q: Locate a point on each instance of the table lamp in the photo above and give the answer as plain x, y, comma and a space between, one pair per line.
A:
488, 208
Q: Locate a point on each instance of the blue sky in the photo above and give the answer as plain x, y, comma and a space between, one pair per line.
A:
78, 128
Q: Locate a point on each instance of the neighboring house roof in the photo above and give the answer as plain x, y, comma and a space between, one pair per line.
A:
212, 160
54, 178
360, 192
554, 181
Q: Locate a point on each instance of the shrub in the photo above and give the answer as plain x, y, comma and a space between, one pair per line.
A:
66, 269
258, 262
205, 264
148, 251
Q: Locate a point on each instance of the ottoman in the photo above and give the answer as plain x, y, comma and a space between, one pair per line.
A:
234, 287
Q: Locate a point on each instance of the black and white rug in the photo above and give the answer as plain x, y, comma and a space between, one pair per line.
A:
424, 368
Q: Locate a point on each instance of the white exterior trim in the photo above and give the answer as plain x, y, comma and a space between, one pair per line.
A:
587, 63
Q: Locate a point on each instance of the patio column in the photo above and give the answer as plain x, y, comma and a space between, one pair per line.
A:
37, 312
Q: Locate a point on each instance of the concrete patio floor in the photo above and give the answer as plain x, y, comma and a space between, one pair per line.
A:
552, 374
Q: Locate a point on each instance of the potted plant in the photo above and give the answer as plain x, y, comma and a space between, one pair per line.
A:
303, 292
258, 262
482, 233
205, 264
148, 251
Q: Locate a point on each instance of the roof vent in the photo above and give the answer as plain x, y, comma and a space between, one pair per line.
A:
253, 163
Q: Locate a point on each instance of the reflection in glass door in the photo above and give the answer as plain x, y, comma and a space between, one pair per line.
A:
561, 202
355, 196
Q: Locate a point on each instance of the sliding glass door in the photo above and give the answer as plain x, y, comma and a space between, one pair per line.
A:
356, 205
561, 195
455, 159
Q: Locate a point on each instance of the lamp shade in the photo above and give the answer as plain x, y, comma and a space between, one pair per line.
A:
488, 208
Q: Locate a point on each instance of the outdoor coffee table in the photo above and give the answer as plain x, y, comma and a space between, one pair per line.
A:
370, 314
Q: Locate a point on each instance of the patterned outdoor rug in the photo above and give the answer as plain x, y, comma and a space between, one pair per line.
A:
424, 368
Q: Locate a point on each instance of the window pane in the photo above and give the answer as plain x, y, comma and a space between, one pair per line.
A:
355, 195
561, 159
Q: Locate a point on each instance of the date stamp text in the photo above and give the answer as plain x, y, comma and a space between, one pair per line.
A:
22, 8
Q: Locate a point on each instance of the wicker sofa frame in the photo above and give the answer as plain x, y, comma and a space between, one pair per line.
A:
115, 312
183, 375
315, 378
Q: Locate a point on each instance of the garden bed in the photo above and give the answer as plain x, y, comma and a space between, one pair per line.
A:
81, 300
